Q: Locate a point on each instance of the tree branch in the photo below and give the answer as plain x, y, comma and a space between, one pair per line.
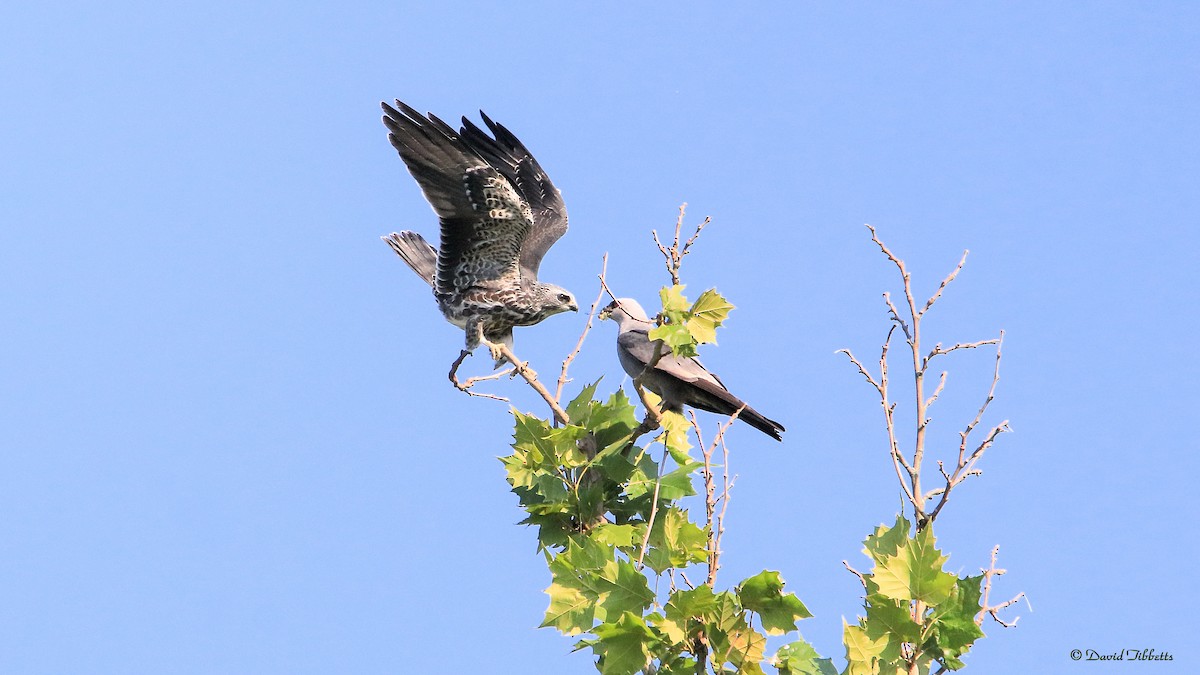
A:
522, 368
673, 255
988, 575
562, 378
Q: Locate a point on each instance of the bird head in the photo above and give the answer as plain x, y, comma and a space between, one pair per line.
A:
622, 309
557, 299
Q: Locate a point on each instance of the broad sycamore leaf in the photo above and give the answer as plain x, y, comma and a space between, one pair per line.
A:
672, 299
799, 658
859, 647
625, 589
710, 311
763, 593
624, 645
677, 339
697, 603
915, 572
615, 535
885, 540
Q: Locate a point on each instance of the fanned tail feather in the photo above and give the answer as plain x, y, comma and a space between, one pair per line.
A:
414, 250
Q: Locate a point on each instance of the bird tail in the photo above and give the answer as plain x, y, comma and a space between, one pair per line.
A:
764, 424
717, 399
414, 250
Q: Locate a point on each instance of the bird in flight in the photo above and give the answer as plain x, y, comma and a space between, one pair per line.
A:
499, 214
679, 381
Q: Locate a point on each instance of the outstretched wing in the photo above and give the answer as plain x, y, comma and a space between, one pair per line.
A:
484, 220
510, 157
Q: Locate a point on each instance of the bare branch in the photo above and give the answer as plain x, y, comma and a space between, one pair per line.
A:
667, 255
938, 351
988, 575
562, 378
937, 390
673, 255
522, 368
715, 522
855, 572
966, 463
662, 463
999, 342
861, 369
945, 282
465, 387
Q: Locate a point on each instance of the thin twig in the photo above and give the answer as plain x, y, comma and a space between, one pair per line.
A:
562, 378
715, 522
988, 575
727, 485
662, 463
856, 573
938, 351
937, 390
522, 368
465, 387
673, 255
945, 282
965, 468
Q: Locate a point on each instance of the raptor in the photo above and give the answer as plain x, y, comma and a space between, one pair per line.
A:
499, 214
678, 380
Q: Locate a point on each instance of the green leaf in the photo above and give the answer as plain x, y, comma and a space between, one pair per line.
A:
892, 621
859, 647
954, 622
571, 609
675, 432
915, 572
697, 603
615, 535
672, 629
624, 589
624, 645
573, 594
676, 338
675, 541
586, 553
709, 312
532, 436
763, 593
885, 540
672, 299
799, 658
581, 407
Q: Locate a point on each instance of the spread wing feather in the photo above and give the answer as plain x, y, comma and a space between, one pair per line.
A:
484, 220
512, 159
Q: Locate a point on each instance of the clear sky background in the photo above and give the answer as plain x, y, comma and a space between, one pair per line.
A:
228, 443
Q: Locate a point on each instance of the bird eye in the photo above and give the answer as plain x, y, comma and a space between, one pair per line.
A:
563, 297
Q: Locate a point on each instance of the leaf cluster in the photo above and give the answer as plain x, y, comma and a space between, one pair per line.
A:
685, 325
916, 611
610, 522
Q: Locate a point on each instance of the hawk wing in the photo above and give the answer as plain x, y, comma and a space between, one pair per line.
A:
510, 157
484, 220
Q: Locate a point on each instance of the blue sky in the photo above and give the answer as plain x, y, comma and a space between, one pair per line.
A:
228, 444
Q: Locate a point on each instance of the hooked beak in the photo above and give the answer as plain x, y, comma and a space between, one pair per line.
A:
608, 310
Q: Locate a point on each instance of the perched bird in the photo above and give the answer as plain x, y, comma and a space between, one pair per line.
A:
499, 215
679, 381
